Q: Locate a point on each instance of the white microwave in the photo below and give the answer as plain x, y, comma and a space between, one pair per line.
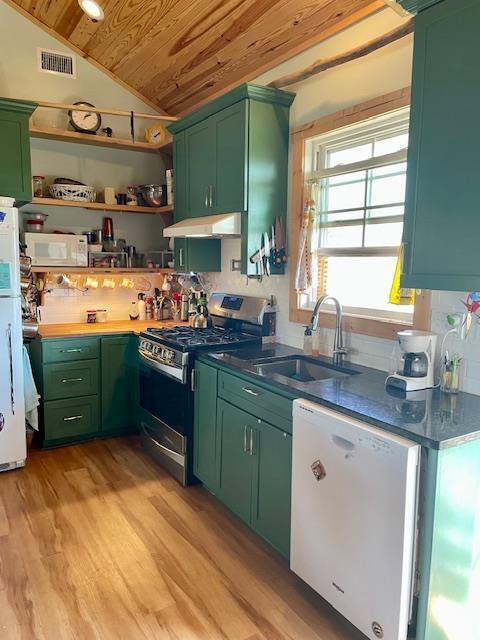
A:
56, 250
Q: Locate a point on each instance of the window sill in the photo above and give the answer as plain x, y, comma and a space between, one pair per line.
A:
380, 328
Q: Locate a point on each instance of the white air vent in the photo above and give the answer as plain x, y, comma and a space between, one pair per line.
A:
60, 64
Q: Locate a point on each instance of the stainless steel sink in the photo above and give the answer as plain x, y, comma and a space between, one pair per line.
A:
300, 369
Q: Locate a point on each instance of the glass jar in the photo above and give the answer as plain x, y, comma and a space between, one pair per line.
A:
132, 195
38, 186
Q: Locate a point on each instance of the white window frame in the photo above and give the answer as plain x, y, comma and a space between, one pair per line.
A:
316, 153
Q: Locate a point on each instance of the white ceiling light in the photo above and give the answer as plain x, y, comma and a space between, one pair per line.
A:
92, 9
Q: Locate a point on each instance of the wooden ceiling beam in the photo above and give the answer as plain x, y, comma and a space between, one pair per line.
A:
323, 64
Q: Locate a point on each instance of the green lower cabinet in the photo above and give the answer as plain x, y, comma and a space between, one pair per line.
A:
118, 385
255, 468
15, 168
205, 426
88, 387
70, 420
272, 483
236, 463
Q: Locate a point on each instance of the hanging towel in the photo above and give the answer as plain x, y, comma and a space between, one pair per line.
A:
303, 274
30, 392
398, 295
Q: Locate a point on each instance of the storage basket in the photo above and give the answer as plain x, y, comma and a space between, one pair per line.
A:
73, 192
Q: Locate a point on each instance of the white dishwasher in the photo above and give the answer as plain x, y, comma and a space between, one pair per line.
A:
354, 506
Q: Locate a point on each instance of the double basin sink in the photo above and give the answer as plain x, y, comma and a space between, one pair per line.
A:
298, 370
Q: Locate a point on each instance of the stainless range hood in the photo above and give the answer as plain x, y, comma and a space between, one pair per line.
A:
218, 226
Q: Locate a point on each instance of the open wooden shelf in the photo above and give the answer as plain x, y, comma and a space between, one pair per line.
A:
111, 271
101, 206
50, 133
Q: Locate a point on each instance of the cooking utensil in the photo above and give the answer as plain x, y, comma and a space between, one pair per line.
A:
35, 215
29, 328
153, 195
273, 249
25, 266
266, 253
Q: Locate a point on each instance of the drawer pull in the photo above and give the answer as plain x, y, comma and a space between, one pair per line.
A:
72, 380
251, 391
70, 350
70, 418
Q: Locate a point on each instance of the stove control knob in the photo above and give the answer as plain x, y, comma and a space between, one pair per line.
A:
155, 349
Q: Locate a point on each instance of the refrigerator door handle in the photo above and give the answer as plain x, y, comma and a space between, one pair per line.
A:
10, 355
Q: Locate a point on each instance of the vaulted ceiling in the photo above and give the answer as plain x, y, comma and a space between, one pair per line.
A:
178, 54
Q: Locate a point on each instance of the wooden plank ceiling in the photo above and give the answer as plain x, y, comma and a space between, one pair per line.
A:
179, 54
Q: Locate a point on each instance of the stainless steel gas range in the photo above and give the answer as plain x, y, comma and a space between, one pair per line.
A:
167, 372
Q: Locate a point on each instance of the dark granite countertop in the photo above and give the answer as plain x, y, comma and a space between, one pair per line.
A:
431, 418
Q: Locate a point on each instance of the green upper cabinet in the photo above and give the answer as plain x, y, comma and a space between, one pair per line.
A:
229, 192
199, 168
442, 217
414, 6
15, 168
231, 155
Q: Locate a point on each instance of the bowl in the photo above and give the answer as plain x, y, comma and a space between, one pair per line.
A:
35, 215
153, 195
95, 248
34, 226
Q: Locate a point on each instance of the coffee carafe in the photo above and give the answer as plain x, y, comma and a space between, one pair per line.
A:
414, 368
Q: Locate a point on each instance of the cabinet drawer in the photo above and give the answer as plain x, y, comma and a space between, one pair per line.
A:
258, 401
64, 419
70, 379
68, 350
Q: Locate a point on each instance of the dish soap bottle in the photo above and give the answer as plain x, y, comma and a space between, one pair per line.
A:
307, 341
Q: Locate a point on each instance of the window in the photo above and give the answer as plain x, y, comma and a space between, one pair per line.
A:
354, 192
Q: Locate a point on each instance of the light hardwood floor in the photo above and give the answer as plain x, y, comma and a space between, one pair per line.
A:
96, 542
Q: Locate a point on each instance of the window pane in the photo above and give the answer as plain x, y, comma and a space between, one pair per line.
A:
383, 235
385, 211
391, 169
336, 237
391, 144
347, 156
340, 217
348, 196
387, 189
363, 282
345, 178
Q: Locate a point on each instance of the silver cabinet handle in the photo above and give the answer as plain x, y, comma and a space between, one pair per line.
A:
207, 195
65, 380
10, 356
245, 450
70, 418
70, 351
251, 391
180, 258
251, 449
211, 192
192, 380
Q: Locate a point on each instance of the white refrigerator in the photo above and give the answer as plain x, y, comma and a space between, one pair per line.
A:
354, 511
13, 449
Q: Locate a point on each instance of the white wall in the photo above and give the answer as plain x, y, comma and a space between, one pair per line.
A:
381, 72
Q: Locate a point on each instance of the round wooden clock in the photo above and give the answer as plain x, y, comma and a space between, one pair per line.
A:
85, 121
156, 134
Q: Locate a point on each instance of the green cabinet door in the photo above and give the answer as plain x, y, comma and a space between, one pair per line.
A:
271, 502
199, 168
205, 464
417, 5
179, 173
442, 217
15, 169
198, 255
230, 134
236, 463
118, 385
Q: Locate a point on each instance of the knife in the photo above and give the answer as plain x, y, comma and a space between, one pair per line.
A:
273, 247
266, 252
282, 242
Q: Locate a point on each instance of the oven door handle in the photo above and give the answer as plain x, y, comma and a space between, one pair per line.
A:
164, 368
173, 455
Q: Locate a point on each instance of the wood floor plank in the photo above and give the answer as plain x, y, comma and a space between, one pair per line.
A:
99, 543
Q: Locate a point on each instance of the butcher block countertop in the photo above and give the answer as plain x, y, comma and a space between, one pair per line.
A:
75, 330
